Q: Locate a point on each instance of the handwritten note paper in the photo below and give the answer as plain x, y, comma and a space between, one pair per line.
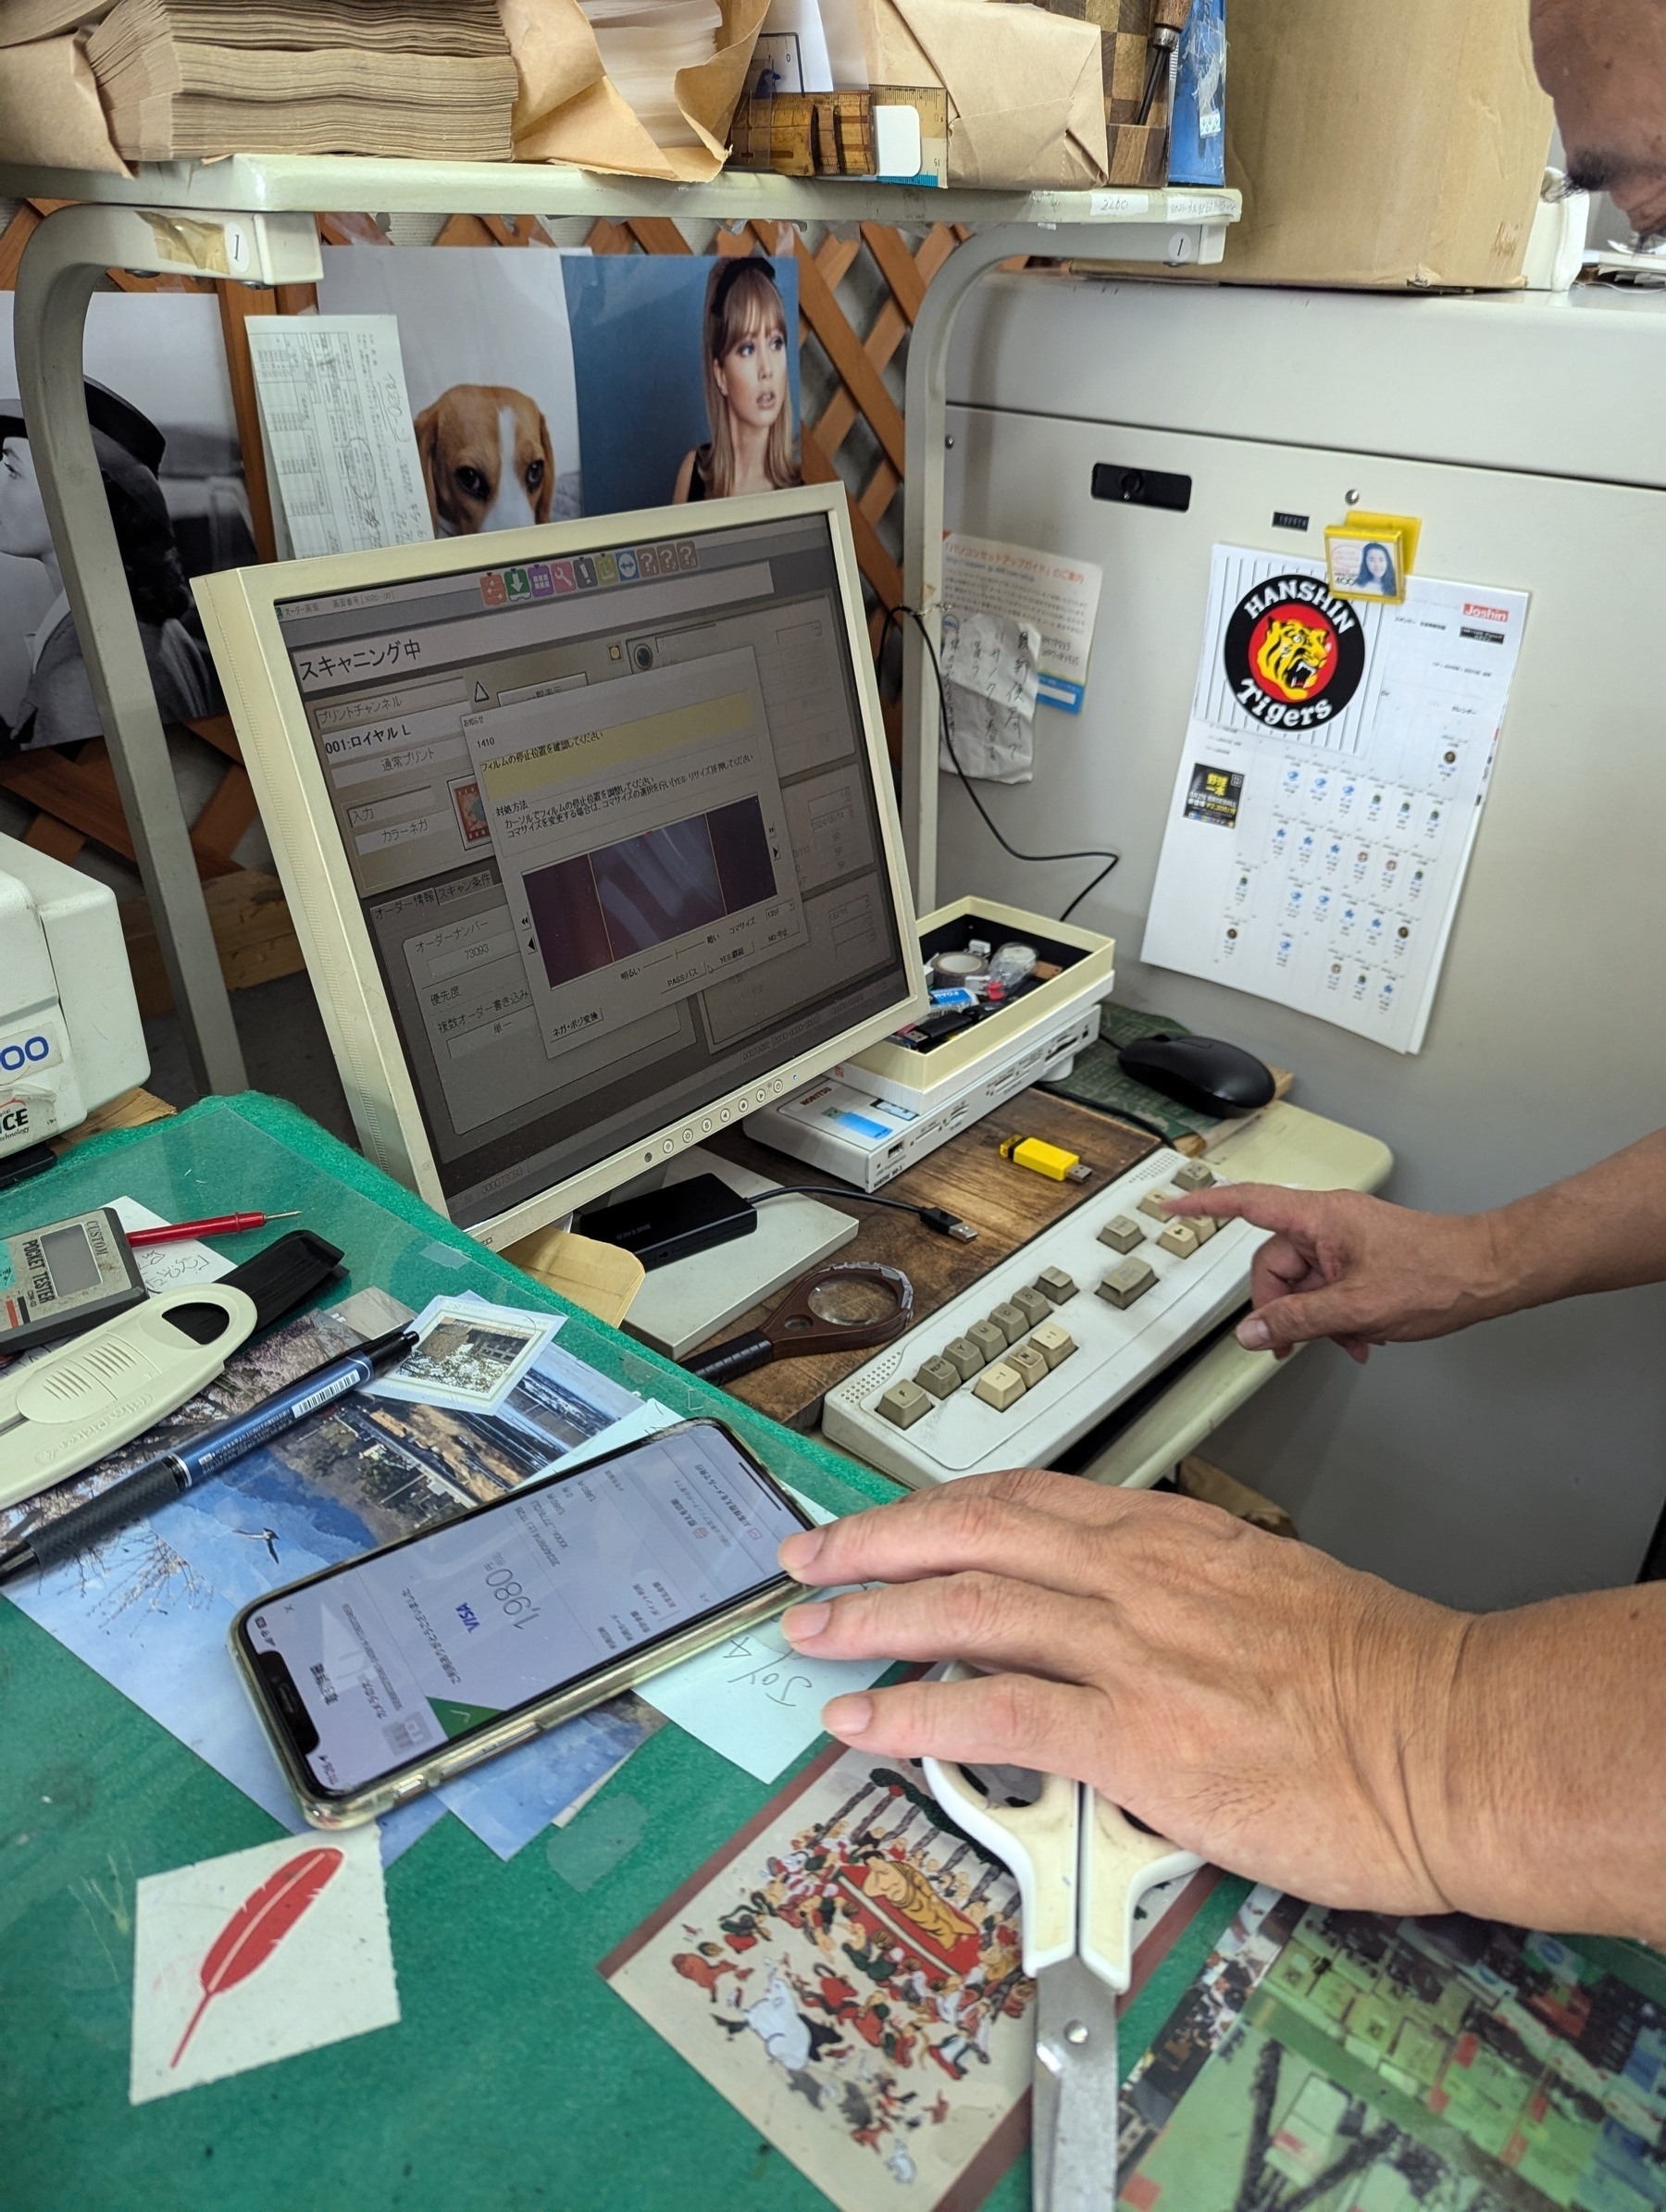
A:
1055, 594
337, 426
165, 1266
753, 1699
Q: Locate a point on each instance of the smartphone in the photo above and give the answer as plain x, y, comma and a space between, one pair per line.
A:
382, 1676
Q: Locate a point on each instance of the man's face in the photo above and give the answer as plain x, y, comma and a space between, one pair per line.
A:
1603, 62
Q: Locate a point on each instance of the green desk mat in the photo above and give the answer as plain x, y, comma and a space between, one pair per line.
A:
515, 2079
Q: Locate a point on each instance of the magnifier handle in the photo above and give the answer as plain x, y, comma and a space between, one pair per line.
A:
726, 1363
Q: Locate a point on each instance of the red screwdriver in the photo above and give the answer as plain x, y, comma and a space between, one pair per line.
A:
221, 1225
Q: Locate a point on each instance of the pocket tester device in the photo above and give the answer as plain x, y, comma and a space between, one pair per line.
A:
68, 1277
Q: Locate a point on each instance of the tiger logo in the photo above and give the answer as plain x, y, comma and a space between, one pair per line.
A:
1292, 656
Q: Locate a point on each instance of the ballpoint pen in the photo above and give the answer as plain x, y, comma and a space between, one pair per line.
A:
169, 1476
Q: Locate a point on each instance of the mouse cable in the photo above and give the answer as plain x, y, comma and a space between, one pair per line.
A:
894, 614
935, 1217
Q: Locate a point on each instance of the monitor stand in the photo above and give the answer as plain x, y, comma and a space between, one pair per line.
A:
680, 1305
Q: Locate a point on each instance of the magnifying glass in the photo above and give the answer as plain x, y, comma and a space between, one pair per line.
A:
846, 1306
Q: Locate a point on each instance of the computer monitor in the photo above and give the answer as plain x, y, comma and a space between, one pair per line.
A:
588, 833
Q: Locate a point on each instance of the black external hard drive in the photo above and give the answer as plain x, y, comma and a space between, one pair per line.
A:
674, 1223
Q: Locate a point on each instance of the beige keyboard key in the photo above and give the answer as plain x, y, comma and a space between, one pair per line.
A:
905, 1403
1122, 1235
1012, 1321
1203, 1227
1033, 1304
1180, 1238
1054, 1344
1128, 1282
989, 1340
1156, 1203
963, 1356
1000, 1385
1030, 1363
1056, 1285
1194, 1176
939, 1377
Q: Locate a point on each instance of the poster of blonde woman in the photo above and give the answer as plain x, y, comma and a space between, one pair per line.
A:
688, 377
745, 360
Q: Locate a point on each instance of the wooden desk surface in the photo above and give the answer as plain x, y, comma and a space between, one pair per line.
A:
1007, 1205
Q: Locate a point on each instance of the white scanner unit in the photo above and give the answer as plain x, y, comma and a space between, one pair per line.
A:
70, 1037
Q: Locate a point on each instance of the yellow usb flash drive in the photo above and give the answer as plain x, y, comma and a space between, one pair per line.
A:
1047, 1159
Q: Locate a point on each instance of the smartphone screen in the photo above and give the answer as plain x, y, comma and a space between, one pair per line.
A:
375, 1662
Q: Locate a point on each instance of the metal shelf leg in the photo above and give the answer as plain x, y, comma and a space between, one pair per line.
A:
926, 407
60, 266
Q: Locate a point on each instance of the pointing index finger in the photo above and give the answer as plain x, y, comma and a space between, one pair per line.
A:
1266, 1205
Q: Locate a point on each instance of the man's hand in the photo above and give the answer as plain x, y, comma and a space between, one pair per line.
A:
1284, 1716
1249, 1698
1364, 1272
1352, 1268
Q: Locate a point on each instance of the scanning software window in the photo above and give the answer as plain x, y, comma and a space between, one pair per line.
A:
613, 831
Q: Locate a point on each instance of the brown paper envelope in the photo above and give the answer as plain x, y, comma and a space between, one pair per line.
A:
568, 111
556, 54
599, 1277
50, 112
1024, 87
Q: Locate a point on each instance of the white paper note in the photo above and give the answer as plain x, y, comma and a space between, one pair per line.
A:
258, 1956
337, 426
1054, 593
1329, 791
753, 1699
165, 1266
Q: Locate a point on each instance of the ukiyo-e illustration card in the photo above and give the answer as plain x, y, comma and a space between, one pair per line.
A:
847, 1973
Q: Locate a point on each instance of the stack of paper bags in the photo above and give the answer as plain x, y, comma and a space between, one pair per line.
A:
421, 79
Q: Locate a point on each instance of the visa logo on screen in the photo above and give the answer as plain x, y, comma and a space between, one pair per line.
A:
465, 1613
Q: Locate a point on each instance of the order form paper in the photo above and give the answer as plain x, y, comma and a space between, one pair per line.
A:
337, 424
1330, 789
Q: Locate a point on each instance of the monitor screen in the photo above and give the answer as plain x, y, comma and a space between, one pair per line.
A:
612, 824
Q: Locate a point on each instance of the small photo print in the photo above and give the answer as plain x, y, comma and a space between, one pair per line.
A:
1213, 795
1366, 564
469, 1355
471, 814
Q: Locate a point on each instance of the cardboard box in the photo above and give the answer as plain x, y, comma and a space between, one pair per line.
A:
1396, 146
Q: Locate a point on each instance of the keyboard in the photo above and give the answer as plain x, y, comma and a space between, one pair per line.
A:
1041, 1349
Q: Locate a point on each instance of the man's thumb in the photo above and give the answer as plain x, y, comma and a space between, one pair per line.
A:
1299, 1319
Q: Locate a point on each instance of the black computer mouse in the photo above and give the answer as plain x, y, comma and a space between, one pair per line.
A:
1200, 1071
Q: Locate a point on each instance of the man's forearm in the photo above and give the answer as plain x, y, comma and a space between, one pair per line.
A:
1604, 1229
1538, 1792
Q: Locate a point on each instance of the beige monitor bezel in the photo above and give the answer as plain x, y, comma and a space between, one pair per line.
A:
239, 609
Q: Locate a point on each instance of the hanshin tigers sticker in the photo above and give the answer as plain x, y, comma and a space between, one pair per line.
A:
1294, 652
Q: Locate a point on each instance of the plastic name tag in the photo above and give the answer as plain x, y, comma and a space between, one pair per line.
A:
62, 1411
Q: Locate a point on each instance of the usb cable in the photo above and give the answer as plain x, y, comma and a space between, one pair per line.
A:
935, 1217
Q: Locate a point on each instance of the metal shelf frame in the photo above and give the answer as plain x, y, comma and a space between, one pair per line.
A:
249, 219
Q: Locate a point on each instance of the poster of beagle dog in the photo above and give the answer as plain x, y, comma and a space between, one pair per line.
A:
488, 367
545, 385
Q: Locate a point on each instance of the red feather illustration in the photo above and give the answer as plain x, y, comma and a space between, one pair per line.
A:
258, 1926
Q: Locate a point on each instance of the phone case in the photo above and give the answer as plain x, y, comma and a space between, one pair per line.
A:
432, 1767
